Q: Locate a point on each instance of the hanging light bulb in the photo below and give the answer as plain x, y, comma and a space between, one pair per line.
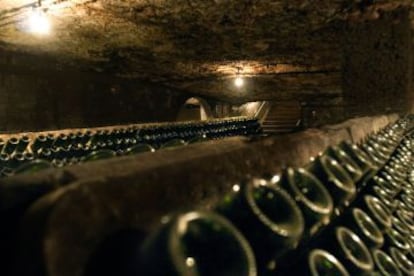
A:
38, 22
239, 81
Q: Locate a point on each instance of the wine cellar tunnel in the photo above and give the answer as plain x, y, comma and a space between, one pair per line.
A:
206, 137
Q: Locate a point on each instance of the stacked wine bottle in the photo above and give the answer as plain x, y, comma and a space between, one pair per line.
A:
350, 211
25, 155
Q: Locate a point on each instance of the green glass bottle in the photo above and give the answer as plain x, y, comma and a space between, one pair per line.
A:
173, 144
323, 263
350, 166
401, 206
365, 227
401, 260
391, 178
139, 148
22, 144
384, 264
399, 172
410, 254
81, 138
351, 252
50, 139
45, 154
401, 227
332, 175
2, 144
197, 243
267, 216
61, 140
39, 143
88, 137
11, 145
381, 151
28, 156
99, 154
16, 160
359, 156
406, 218
377, 158
4, 160
376, 210
407, 199
311, 196
198, 139
390, 188
391, 204
394, 238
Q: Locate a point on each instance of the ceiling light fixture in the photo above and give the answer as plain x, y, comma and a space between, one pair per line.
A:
38, 22
238, 81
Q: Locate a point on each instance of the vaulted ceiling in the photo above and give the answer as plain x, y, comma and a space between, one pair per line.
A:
284, 48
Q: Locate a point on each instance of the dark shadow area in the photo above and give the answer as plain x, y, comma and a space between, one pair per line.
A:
117, 255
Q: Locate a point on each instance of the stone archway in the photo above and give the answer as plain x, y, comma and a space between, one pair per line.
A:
194, 109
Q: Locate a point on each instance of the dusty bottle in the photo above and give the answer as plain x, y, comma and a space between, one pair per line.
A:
376, 210
394, 238
359, 156
267, 216
377, 158
61, 140
389, 187
383, 195
384, 264
351, 251
332, 175
401, 227
173, 143
403, 263
2, 144
4, 160
98, 155
311, 196
139, 148
50, 139
197, 244
322, 263
11, 145
345, 161
363, 225
406, 218
22, 144
39, 143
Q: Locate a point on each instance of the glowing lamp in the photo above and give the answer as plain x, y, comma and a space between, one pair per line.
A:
38, 22
238, 81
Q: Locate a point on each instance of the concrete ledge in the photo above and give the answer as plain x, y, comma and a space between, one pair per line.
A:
61, 230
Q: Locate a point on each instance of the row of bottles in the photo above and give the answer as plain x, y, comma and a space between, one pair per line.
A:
23, 155
349, 212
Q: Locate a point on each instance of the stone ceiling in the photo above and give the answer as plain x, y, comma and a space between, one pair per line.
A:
284, 48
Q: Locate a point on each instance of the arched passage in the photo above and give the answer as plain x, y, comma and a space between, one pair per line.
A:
194, 109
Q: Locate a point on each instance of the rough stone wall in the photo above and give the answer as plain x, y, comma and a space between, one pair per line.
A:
319, 111
377, 63
44, 100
